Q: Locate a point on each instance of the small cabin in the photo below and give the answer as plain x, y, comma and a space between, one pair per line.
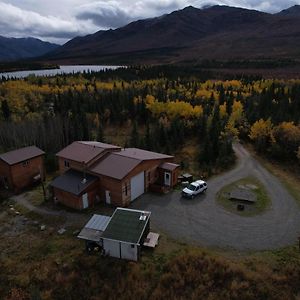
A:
21, 168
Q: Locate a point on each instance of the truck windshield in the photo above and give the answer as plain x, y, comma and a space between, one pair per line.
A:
191, 187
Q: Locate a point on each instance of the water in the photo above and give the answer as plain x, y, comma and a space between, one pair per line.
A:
53, 72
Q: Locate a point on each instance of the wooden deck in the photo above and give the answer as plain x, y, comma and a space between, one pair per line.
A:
152, 240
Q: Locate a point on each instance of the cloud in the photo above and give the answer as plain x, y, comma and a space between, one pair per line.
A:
116, 13
60, 20
19, 22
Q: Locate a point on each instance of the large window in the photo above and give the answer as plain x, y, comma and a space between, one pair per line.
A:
67, 164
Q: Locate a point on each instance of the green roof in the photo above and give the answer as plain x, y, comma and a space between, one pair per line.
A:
125, 225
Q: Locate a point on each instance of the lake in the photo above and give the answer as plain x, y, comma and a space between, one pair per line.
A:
53, 72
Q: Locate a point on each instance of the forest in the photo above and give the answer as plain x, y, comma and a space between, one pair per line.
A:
163, 107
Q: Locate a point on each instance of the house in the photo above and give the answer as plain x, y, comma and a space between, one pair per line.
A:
120, 235
109, 174
21, 168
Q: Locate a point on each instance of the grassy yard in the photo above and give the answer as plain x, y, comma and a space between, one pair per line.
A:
45, 265
261, 205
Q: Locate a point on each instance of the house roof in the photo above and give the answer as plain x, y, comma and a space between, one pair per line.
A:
169, 166
72, 182
115, 166
126, 225
22, 154
94, 228
85, 151
142, 154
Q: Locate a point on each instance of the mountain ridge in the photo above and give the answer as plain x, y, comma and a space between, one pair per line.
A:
12, 49
216, 32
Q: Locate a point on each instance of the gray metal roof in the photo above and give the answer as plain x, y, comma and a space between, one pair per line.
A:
98, 222
73, 182
94, 228
22, 154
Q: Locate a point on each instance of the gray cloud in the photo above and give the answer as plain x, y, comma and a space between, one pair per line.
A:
60, 20
104, 14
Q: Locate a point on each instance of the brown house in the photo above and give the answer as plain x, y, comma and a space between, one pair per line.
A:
122, 174
21, 168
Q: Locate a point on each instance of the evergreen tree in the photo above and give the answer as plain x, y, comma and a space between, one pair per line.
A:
100, 134
5, 110
134, 138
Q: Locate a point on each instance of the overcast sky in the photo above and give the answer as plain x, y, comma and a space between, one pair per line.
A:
61, 20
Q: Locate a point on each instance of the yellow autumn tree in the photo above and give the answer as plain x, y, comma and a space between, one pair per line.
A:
261, 134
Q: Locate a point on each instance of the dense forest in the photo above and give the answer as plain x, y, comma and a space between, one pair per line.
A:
163, 107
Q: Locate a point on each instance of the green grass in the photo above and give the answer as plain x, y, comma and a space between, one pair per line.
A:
261, 205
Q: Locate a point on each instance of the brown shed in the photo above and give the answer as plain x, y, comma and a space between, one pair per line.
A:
21, 168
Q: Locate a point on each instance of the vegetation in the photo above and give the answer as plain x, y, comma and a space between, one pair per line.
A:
164, 107
45, 265
255, 186
23, 66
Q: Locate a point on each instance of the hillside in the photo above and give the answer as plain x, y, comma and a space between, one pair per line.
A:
19, 48
191, 34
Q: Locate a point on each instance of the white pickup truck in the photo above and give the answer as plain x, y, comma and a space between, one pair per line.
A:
193, 189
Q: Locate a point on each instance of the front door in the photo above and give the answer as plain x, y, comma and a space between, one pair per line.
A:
107, 197
167, 179
85, 201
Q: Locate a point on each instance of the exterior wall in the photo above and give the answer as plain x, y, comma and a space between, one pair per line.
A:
151, 176
174, 176
72, 165
112, 248
5, 174
22, 174
129, 251
74, 201
114, 186
79, 165
121, 250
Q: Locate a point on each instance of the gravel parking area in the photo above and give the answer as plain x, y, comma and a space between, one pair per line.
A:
202, 221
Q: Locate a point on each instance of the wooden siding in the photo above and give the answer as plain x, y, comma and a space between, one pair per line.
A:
21, 175
5, 174
174, 176
150, 169
72, 165
76, 202
79, 166
114, 186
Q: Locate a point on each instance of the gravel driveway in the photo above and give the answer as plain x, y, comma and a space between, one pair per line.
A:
202, 221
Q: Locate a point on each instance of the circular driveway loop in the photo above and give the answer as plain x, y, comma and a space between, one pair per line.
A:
204, 222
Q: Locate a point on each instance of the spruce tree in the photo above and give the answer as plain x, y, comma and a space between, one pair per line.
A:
5, 110
134, 138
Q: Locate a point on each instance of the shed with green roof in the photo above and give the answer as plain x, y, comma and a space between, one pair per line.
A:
125, 233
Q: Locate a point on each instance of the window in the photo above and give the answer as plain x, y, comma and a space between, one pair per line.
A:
25, 163
67, 164
126, 189
149, 174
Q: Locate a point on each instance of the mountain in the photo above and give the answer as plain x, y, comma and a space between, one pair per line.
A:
190, 34
19, 48
293, 11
